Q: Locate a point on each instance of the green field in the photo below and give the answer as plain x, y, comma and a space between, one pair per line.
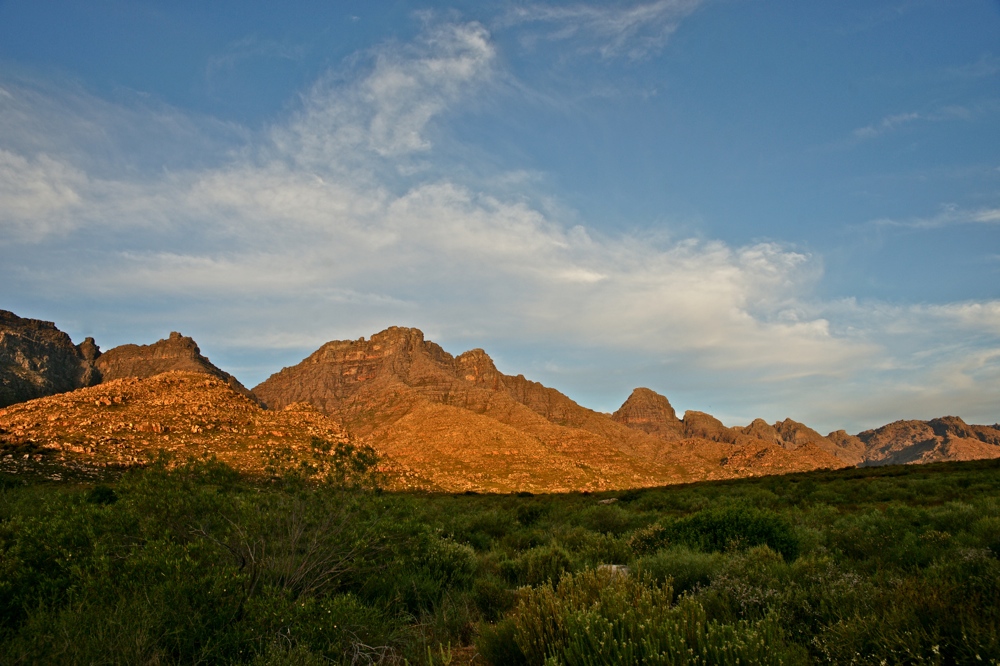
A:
894, 565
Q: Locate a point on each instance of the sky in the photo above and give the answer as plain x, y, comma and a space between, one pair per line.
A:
758, 208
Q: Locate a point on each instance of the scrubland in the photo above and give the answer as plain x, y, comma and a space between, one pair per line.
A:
196, 564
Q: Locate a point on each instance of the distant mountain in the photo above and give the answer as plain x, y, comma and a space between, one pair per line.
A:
652, 413
37, 359
464, 424
175, 353
946, 438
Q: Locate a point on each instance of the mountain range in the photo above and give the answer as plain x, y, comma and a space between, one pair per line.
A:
439, 421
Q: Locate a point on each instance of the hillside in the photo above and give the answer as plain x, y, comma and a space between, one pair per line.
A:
128, 421
937, 440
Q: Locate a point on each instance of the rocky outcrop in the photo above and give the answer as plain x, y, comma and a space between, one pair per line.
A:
650, 412
945, 438
759, 429
706, 426
37, 360
851, 447
177, 353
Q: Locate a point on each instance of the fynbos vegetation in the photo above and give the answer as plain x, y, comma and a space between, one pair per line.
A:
196, 564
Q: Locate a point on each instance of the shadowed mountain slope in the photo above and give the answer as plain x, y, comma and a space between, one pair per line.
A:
176, 353
37, 359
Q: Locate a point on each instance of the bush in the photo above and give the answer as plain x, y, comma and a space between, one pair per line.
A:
685, 569
596, 617
738, 528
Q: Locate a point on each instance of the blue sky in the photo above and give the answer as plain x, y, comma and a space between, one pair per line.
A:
757, 208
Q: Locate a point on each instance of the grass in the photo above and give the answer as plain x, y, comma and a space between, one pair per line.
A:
895, 565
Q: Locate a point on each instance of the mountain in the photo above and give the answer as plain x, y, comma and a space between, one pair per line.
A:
466, 425
652, 413
127, 421
175, 353
946, 438
37, 359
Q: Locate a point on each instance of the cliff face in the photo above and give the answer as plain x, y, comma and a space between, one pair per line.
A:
176, 353
37, 359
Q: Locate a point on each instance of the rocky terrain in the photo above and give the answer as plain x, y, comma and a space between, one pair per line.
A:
439, 421
37, 359
130, 421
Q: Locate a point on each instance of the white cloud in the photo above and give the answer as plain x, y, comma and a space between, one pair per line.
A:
389, 109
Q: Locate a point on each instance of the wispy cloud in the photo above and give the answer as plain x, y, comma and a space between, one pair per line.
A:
251, 48
950, 215
896, 121
986, 66
634, 31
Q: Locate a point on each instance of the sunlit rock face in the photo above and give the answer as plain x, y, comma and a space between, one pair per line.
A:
650, 412
459, 423
37, 359
945, 438
130, 421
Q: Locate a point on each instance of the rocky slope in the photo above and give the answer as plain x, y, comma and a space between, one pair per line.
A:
128, 421
946, 438
37, 359
474, 427
440, 421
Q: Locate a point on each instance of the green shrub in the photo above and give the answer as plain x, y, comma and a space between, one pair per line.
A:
596, 617
496, 643
607, 519
545, 564
492, 597
648, 539
737, 527
683, 568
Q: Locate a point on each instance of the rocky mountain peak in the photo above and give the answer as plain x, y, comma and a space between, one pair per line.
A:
476, 366
762, 430
650, 412
177, 352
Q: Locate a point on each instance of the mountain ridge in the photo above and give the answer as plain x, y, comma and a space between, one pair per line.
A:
455, 422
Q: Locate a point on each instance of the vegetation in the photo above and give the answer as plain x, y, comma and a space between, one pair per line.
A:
195, 564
